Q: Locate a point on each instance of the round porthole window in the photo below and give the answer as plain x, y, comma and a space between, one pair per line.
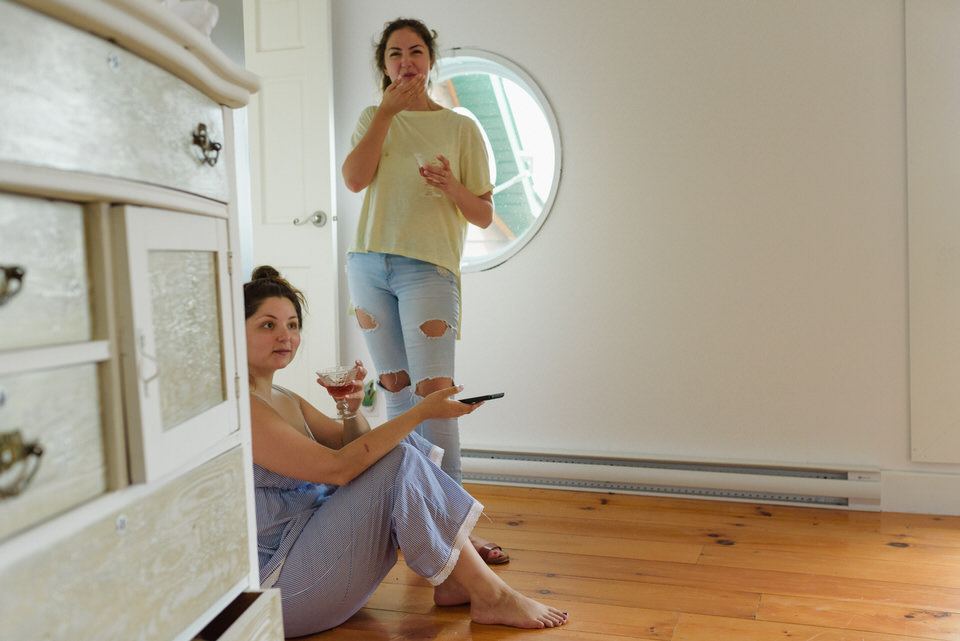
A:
523, 144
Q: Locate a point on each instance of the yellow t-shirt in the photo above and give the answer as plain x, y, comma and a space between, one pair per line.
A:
396, 217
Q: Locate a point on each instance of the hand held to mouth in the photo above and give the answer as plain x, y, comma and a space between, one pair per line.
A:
406, 92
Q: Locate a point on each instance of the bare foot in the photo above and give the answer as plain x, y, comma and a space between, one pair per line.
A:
450, 593
518, 611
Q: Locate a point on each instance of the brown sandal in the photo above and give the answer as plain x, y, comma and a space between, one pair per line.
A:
485, 551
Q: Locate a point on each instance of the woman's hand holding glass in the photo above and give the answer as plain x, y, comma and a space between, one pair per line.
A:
430, 164
346, 386
435, 170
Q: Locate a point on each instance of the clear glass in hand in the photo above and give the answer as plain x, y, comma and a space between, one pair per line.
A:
429, 160
339, 382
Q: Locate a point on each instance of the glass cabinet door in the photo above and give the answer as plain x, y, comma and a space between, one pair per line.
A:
186, 321
176, 336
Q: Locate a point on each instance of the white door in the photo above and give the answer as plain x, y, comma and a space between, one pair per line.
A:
287, 43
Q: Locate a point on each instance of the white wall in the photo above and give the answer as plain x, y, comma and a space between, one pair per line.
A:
724, 273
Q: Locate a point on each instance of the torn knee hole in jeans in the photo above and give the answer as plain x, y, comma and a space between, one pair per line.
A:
395, 381
365, 320
434, 328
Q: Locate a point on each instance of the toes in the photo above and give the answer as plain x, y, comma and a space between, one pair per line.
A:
556, 618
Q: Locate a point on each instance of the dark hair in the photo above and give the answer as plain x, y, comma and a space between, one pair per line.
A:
266, 282
428, 36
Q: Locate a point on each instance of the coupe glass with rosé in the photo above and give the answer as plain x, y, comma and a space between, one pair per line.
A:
339, 382
424, 160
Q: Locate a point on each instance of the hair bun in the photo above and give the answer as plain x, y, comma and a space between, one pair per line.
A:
266, 282
265, 271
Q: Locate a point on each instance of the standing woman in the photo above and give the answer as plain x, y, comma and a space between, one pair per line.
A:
404, 265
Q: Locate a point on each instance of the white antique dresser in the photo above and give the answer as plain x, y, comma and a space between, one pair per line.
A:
126, 492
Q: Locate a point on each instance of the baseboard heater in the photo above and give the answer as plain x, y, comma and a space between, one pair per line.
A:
763, 483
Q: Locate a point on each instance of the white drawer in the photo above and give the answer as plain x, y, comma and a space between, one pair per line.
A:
93, 107
58, 410
253, 616
146, 571
45, 241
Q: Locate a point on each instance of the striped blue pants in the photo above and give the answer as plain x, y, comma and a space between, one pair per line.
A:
350, 542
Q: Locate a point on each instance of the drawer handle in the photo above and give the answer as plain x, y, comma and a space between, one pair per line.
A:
210, 149
11, 281
14, 450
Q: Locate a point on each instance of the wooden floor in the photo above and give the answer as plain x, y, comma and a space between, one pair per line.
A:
633, 567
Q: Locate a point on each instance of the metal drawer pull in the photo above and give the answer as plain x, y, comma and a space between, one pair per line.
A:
210, 149
12, 451
11, 281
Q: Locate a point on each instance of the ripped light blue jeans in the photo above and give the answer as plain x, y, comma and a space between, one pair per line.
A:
409, 312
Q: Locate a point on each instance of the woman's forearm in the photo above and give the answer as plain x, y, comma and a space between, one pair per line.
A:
478, 210
361, 164
368, 448
354, 428
282, 449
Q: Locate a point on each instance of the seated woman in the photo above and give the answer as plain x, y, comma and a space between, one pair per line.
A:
336, 500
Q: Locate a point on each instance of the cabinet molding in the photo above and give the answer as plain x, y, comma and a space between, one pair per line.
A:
155, 34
